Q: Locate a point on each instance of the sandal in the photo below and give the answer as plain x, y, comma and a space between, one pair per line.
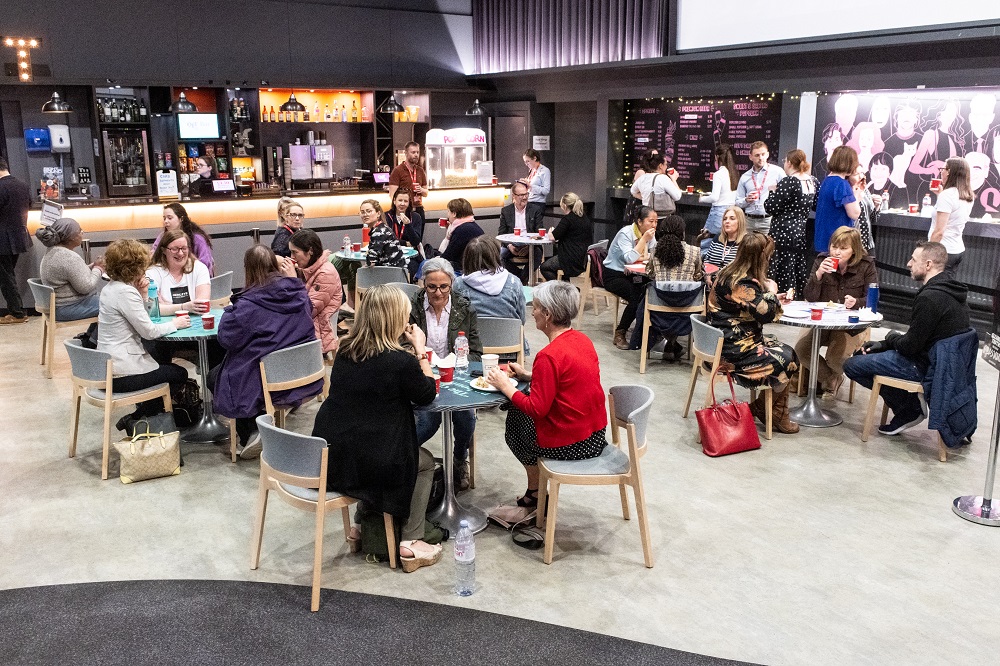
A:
531, 538
529, 500
423, 556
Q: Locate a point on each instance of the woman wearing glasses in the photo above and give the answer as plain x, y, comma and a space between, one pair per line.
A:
175, 217
290, 216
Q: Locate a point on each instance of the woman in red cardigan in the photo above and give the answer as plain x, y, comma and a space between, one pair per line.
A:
563, 417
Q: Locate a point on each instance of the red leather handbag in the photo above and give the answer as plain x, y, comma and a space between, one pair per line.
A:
726, 427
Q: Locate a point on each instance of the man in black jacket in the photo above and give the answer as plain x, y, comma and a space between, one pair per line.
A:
14, 241
527, 218
939, 311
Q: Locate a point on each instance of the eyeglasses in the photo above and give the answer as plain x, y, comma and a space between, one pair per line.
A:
178, 250
521, 196
295, 215
443, 288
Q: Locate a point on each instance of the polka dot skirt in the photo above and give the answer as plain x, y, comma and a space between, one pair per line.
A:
523, 442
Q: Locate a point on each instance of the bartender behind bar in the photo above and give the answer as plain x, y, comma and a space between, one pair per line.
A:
206, 173
410, 175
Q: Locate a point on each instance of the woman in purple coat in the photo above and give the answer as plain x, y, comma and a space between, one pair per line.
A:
272, 312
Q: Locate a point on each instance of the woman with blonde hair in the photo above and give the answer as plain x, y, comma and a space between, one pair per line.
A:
742, 300
573, 235
290, 216
841, 275
369, 425
725, 246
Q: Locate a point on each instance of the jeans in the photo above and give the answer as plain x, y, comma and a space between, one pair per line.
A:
550, 268
83, 309
8, 285
864, 367
464, 428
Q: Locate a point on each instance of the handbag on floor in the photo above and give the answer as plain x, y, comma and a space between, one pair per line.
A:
726, 427
149, 455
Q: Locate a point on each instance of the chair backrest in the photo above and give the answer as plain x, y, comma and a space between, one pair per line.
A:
294, 366
603, 245
632, 404
222, 287
369, 276
690, 293
42, 293
705, 338
90, 365
500, 332
409, 289
290, 453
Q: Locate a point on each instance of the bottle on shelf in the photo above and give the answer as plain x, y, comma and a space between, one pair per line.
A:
114, 111
461, 351
354, 112
143, 111
465, 561
327, 116
365, 116
274, 117
336, 114
305, 114
100, 110
107, 111
126, 113
243, 110
343, 113
316, 115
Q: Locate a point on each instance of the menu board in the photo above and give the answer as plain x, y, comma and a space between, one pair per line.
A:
687, 132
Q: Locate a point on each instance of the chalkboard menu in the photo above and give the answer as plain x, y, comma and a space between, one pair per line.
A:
688, 131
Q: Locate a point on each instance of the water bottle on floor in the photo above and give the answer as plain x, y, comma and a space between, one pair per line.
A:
465, 561
461, 351
153, 307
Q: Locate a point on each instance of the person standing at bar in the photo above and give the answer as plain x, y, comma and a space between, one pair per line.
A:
836, 206
954, 205
410, 176
538, 180
14, 240
756, 185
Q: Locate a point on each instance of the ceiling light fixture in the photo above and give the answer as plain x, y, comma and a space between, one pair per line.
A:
56, 105
293, 105
182, 105
475, 110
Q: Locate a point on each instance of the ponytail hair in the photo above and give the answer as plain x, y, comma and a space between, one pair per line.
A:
797, 158
573, 203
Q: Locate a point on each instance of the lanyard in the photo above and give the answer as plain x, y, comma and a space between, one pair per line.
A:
397, 229
763, 180
414, 184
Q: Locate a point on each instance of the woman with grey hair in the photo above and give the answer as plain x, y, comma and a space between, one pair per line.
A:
442, 314
77, 285
563, 416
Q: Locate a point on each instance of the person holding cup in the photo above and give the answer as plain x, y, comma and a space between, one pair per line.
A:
124, 324
841, 275
631, 244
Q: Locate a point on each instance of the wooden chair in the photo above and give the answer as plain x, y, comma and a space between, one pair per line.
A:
706, 352
294, 467
369, 276
629, 407
222, 290
582, 282
908, 386
92, 375
655, 304
45, 302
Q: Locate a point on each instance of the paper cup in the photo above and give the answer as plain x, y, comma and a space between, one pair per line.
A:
208, 322
202, 306
690, 189
430, 356
935, 183
836, 262
816, 313
490, 361
517, 231
180, 313
437, 383
443, 222
914, 208
541, 232
356, 247
447, 375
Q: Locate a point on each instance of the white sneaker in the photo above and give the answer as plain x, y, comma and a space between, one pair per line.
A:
252, 448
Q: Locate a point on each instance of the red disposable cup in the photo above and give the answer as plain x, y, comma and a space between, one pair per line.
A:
442, 221
437, 383
208, 322
671, 171
430, 356
816, 313
494, 180
711, 176
836, 262
181, 313
541, 232
447, 375
914, 208
517, 231
202, 306
356, 247
935, 183
690, 189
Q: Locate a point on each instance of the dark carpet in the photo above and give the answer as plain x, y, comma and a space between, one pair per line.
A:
224, 622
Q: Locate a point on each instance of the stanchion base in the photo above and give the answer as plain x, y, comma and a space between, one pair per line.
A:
970, 507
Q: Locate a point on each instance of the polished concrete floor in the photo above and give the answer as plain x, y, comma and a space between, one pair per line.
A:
817, 549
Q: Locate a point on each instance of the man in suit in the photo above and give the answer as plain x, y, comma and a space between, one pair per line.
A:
14, 240
519, 215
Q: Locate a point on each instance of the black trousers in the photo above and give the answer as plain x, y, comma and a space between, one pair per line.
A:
172, 374
8, 284
630, 288
550, 267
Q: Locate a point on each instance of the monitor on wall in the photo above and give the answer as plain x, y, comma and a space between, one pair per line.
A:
197, 126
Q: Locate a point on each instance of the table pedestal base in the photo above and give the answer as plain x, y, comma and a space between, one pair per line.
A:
970, 507
811, 415
450, 513
208, 430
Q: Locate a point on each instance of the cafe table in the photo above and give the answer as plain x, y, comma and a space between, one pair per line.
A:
208, 429
529, 240
363, 254
459, 396
799, 313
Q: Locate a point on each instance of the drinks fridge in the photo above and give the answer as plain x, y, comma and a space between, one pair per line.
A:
126, 161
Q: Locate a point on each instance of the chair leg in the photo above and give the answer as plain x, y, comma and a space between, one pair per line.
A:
50, 343
640, 510
942, 449
390, 538
769, 411
258, 526
233, 438
543, 496
318, 555
45, 339
346, 515
870, 415
74, 421
624, 494
550, 522
850, 393
691, 387
885, 413
106, 449
645, 342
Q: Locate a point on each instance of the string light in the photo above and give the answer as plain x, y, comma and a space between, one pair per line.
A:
24, 46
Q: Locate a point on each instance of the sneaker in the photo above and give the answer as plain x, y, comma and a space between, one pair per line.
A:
463, 477
251, 449
900, 423
11, 319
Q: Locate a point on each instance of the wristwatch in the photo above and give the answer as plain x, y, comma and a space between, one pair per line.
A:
422, 357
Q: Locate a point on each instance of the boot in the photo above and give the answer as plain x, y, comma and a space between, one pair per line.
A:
781, 422
620, 340
758, 407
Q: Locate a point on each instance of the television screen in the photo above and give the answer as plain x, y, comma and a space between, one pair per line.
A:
381, 177
197, 126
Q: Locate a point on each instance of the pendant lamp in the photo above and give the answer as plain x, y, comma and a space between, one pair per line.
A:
475, 110
293, 105
391, 105
182, 105
56, 105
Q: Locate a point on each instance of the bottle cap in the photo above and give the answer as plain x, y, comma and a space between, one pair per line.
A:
461, 332
464, 523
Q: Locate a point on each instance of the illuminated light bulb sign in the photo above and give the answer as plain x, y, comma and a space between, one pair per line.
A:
22, 46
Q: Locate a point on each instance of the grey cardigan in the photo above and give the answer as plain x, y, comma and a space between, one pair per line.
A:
122, 324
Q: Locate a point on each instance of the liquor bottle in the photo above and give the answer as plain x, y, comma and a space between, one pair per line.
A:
336, 114
365, 117
316, 116
126, 113
305, 114
273, 117
143, 112
327, 116
343, 112
107, 110
354, 112
114, 111
100, 110
243, 110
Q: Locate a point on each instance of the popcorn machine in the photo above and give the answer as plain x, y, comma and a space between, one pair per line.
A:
452, 156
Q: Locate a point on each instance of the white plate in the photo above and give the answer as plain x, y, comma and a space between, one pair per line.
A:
868, 318
795, 314
491, 389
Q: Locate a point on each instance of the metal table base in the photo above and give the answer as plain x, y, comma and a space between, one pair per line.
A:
810, 413
451, 512
208, 430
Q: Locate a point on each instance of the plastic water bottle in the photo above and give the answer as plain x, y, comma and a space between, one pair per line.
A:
465, 561
154, 305
461, 351
346, 246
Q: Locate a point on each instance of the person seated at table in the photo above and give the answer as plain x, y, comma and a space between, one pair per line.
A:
181, 279
322, 284
724, 246
740, 302
368, 421
124, 323
290, 217
383, 247
175, 217
407, 226
441, 314
519, 215
847, 284
564, 416
492, 290
573, 235
76, 284
632, 243
672, 260
462, 228
271, 313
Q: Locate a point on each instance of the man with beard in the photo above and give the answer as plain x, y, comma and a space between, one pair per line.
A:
410, 175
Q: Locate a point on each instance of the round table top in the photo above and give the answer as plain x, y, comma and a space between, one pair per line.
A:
363, 255
196, 330
530, 239
833, 319
458, 396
